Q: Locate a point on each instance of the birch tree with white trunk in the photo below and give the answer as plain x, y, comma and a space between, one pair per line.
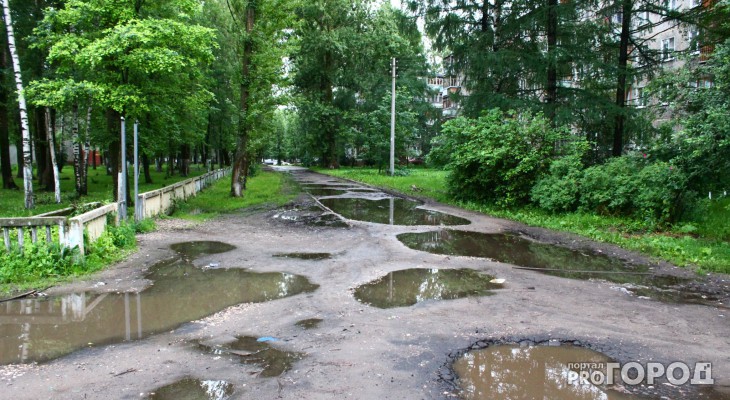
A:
50, 134
27, 168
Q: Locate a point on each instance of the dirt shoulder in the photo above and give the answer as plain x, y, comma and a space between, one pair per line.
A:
359, 351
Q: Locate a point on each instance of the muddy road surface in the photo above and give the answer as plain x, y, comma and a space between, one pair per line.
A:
349, 292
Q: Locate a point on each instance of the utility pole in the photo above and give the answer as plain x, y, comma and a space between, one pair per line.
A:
137, 216
392, 124
122, 178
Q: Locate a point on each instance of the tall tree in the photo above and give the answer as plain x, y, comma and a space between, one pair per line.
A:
5, 166
126, 58
27, 167
259, 29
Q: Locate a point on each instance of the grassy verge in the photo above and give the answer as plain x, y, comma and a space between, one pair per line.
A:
42, 265
706, 248
266, 188
100, 188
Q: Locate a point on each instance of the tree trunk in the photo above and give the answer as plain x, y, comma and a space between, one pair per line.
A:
240, 165
52, 148
113, 154
146, 168
5, 167
85, 149
43, 166
27, 172
623, 57
185, 160
551, 96
79, 164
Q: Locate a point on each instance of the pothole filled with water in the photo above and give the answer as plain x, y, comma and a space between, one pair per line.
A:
42, 329
305, 256
310, 323
312, 215
255, 351
553, 370
325, 191
193, 389
196, 249
410, 286
530, 372
393, 211
558, 261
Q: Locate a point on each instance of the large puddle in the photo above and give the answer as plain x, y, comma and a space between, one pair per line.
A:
555, 260
44, 329
410, 286
533, 372
393, 211
193, 389
255, 351
512, 371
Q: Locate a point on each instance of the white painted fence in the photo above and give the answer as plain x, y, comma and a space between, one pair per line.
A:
157, 202
70, 231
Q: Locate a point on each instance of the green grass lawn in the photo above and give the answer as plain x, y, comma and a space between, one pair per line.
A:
99, 185
264, 189
705, 246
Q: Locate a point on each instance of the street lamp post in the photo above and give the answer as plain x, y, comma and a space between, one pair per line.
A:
392, 124
137, 216
122, 177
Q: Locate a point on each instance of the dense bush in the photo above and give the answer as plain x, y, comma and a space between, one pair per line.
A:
559, 190
498, 156
654, 192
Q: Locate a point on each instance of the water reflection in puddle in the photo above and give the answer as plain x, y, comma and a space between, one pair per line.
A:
410, 286
325, 191
305, 256
393, 211
193, 389
272, 361
557, 261
43, 329
534, 372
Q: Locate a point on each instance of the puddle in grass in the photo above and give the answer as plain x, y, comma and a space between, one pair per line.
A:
559, 261
532, 372
42, 329
410, 286
193, 389
310, 323
305, 256
393, 211
272, 361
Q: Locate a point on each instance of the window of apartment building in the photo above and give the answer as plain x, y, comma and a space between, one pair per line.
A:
668, 49
671, 4
693, 38
643, 18
638, 97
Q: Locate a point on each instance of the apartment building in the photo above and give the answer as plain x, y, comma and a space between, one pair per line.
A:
671, 42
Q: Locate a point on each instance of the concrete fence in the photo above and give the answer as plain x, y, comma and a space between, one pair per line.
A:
57, 227
161, 201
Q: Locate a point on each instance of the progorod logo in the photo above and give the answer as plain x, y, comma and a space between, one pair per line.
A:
635, 373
